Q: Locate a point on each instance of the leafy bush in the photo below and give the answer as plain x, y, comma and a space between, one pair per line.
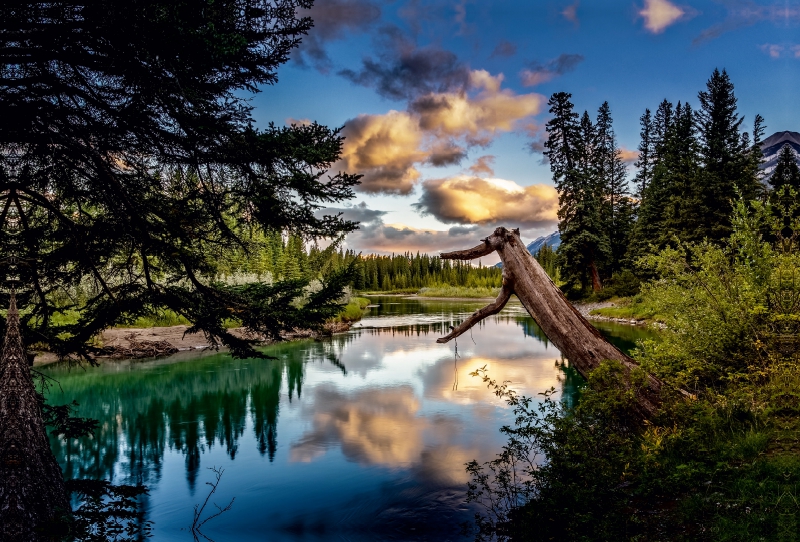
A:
720, 460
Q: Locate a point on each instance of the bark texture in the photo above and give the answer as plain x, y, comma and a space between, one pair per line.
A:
573, 335
32, 492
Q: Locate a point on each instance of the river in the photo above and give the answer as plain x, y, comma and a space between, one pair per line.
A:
360, 437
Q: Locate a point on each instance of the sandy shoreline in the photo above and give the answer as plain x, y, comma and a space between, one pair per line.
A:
178, 338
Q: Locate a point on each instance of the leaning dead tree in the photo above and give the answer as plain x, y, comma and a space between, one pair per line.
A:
565, 327
32, 494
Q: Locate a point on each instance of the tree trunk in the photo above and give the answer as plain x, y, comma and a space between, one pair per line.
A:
573, 335
32, 492
597, 285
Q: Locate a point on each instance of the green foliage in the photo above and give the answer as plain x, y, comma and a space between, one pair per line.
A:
473, 292
65, 424
550, 262
353, 311
139, 202
411, 272
579, 168
720, 459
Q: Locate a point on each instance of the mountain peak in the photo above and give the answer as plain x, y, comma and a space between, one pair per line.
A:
772, 146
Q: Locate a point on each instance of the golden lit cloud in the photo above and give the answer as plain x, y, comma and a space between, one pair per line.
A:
384, 148
435, 130
473, 200
375, 427
628, 155
659, 14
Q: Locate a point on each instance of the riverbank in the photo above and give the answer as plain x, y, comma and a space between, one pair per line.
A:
118, 341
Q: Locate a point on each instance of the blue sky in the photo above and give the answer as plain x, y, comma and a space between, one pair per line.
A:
443, 103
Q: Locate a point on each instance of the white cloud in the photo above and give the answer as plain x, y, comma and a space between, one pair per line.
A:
659, 14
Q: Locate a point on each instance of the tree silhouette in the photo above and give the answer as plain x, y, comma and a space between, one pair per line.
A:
129, 163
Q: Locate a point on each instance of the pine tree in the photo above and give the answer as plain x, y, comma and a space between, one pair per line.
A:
653, 193
645, 162
677, 174
757, 157
786, 172
725, 158
569, 148
128, 155
661, 123
785, 181
612, 187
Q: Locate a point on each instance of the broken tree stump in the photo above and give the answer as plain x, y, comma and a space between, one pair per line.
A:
565, 327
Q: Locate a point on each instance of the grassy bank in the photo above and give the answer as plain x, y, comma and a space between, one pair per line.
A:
353, 311
466, 292
630, 308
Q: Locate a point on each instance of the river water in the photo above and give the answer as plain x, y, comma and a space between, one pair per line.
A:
361, 437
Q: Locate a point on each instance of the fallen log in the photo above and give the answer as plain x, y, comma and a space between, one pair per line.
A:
565, 327
137, 349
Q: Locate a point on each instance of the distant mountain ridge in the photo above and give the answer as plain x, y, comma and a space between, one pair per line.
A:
772, 146
553, 240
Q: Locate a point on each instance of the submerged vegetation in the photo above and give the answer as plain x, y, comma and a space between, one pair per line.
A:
720, 460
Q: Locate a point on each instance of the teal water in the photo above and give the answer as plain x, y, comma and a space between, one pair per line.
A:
359, 437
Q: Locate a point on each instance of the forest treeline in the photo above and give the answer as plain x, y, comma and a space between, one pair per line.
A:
273, 256
692, 165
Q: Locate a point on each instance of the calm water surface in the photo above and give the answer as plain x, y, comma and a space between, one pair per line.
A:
360, 437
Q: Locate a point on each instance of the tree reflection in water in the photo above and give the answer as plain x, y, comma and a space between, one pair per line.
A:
185, 407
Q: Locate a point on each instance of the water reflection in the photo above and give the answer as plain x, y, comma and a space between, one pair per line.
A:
372, 438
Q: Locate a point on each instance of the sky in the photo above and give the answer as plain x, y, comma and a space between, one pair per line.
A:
443, 103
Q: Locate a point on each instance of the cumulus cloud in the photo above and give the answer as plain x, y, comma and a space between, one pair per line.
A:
539, 73
659, 14
476, 118
436, 130
333, 19
403, 71
570, 13
465, 199
504, 49
384, 148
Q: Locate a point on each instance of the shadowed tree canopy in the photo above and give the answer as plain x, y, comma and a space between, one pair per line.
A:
129, 161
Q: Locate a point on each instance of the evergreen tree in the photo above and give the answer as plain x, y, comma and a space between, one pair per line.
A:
725, 158
757, 157
569, 148
661, 123
786, 172
653, 193
645, 162
785, 181
677, 173
612, 187
128, 155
